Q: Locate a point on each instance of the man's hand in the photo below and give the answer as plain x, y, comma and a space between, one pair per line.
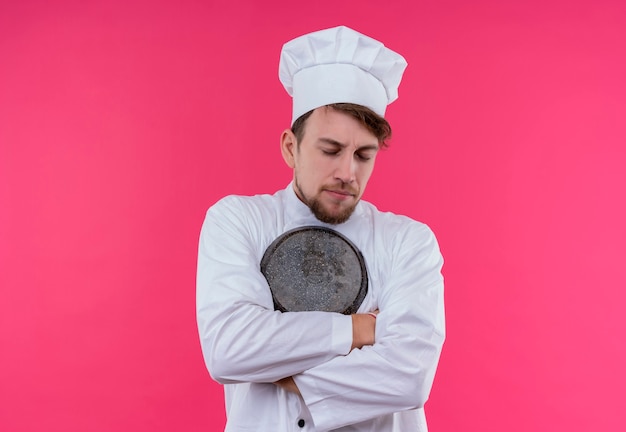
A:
363, 329
288, 384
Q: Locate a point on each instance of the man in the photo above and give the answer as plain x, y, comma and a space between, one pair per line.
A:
318, 370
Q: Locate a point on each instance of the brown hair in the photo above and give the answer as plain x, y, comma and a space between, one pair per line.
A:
374, 123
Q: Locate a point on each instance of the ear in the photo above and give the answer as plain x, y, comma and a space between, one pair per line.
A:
288, 144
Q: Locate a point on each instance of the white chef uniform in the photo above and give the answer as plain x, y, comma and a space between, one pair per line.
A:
247, 345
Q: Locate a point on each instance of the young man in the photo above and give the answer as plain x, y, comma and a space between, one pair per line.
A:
317, 370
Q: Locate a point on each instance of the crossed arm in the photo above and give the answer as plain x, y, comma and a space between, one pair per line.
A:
363, 333
331, 360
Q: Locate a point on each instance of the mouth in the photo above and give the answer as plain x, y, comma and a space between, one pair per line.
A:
340, 194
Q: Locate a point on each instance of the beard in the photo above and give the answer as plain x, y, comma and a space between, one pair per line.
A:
321, 213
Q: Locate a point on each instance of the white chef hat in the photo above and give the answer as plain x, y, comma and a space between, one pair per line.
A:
339, 65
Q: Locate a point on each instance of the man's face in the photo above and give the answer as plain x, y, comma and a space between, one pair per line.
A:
332, 164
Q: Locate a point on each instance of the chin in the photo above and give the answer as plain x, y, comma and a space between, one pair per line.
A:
332, 217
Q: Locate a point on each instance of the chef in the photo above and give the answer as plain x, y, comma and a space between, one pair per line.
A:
317, 370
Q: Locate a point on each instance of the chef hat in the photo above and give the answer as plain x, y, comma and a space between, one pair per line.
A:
339, 65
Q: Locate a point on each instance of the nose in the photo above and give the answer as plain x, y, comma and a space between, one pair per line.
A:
345, 170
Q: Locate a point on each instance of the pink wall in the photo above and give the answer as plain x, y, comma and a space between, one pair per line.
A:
121, 122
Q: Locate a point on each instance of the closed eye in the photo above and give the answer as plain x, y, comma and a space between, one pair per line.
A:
363, 156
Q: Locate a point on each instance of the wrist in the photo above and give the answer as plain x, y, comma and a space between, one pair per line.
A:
363, 329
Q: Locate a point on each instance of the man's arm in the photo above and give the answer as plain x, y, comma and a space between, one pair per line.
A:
396, 373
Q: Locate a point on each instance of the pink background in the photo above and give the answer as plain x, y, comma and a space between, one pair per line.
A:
121, 122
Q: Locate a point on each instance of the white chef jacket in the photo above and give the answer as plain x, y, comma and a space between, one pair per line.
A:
247, 345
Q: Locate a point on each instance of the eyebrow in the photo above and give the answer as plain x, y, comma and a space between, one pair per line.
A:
331, 141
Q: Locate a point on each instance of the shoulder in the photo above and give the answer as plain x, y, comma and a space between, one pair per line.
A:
238, 216
241, 221
401, 240
406, 247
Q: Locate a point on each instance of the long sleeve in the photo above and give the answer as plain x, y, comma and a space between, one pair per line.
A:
243, 339
397, 372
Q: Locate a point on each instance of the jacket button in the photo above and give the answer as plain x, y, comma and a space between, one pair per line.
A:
301, 423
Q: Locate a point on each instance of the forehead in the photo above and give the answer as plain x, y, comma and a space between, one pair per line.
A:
326, 122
